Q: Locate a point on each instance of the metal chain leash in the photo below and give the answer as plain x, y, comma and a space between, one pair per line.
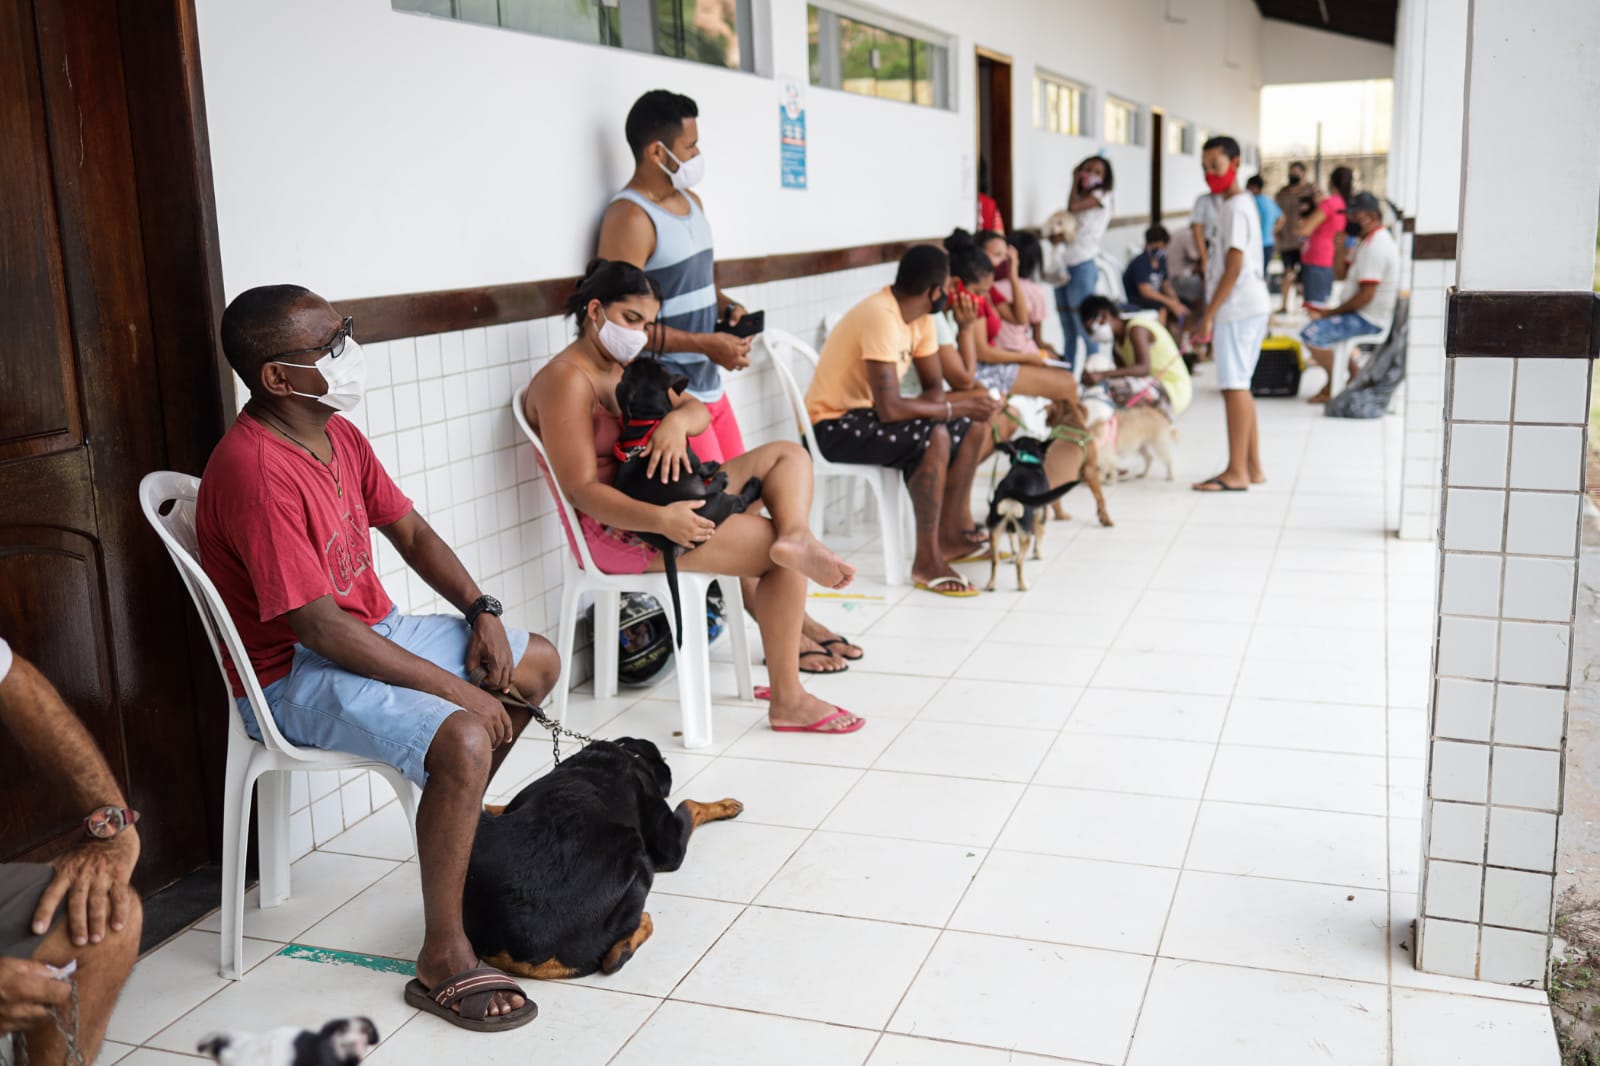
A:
67, 1027
515, 699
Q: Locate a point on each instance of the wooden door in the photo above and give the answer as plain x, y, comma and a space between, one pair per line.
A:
1158, 151
108, 370
994, 129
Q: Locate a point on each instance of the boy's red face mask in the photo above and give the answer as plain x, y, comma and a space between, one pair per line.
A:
1221, 183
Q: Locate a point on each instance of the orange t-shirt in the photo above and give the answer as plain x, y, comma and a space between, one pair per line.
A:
872, 331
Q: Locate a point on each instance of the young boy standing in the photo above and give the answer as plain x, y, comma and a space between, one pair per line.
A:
1237, 306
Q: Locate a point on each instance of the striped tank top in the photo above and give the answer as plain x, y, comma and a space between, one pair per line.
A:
682, 265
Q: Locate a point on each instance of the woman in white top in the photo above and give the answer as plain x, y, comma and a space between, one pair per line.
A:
1089, 200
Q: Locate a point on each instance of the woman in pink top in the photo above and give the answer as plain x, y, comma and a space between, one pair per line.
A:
572, 405
1322, 230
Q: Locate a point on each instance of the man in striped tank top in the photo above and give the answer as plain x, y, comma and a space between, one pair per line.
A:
659, 225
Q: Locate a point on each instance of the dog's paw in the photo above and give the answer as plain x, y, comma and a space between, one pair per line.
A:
1105, 519
725, 808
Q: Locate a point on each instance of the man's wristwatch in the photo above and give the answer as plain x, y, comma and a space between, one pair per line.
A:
103, 823
481, 606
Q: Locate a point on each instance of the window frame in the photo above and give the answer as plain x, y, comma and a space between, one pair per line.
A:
1043, 80
1186, 135
827, 70
1136, 120
747, 13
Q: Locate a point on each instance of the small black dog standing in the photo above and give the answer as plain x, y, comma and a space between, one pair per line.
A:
1016, 508
644, 396
557, 882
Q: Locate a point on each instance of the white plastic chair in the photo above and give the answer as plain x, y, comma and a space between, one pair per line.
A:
168, 500
580, 575
796, 362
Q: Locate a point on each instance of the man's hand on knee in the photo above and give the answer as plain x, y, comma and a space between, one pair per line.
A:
28, 993
93, 880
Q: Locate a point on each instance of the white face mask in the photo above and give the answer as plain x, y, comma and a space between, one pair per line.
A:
689, 172
346, 377
620, 342
1101, 333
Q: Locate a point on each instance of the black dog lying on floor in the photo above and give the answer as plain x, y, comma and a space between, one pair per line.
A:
644, 396
557, 880
1016, 508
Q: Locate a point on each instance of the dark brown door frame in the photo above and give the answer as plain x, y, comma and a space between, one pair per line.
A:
994, 71
116, 90
1158, 151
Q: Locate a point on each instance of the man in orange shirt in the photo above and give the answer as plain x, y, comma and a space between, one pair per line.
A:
858, 414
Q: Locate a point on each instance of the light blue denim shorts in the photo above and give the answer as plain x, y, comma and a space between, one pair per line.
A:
1326, 332
320, 705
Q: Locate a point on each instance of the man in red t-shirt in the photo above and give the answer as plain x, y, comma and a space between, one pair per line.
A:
284, 521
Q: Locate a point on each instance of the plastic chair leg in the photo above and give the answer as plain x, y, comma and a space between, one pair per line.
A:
566, 634
607, 646
272, 827
738, 636
892, 505
238, 784
694, 670
404, 791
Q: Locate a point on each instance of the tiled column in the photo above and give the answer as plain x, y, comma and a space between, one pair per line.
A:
1518, 338
1438, 30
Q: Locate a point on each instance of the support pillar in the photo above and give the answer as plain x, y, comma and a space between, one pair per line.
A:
1519, 339
1434, 202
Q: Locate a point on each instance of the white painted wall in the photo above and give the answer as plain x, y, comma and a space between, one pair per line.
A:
361, 151
1293, 55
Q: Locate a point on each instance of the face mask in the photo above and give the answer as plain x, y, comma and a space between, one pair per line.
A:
1354, 228
1002, 270
346, 377
620, 342
940, 302
1090, 180
689, 172
1101, 333
1221, 183
1294, 179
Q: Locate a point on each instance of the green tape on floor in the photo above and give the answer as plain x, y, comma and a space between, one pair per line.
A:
328, 956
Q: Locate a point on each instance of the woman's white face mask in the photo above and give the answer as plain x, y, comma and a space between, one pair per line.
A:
1101, 332
620, 342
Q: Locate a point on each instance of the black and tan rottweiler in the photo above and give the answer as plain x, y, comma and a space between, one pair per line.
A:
557, 881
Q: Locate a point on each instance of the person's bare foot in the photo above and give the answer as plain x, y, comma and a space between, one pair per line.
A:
1322, 397
806, 710
815, 659
1258, 477
811, 557
441, 965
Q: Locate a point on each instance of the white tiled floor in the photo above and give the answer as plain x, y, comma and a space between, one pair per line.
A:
1162, 808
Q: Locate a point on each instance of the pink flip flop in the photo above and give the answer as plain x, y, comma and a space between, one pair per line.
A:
762, 692
817, 726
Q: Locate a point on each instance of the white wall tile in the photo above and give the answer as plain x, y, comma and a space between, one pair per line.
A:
1529, 716
1522, 839
1453, 890
430, 357
1449, 947
355, 798
402, 361
1547, 457
1457, 831
1460, 772
1473, 519
1518, 899
1524, 777
1552, 390
301, 840
1541, 589
327, 818
1466, 647
1534, 653
1463, 710
1477, 455
1481, 389
1542, 523
1511, 957
1471, 584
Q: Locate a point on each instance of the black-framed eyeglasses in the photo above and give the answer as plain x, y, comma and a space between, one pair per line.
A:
335, 344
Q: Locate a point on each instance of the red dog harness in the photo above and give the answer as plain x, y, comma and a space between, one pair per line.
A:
630, 447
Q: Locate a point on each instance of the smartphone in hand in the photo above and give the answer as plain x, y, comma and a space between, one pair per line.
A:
749, 325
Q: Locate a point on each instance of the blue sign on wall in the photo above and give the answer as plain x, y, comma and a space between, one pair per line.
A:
792, 136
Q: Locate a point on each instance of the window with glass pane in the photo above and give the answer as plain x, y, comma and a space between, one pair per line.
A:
1122, 121
1178, 137
1058, 105
858, 57
715, 32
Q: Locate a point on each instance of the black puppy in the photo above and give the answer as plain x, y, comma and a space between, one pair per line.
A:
644, 396
557, 880
343, 1042
1016, 507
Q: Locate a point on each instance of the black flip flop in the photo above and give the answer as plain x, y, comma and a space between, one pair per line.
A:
847, 641
1221, 486
471, 992
823, 654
